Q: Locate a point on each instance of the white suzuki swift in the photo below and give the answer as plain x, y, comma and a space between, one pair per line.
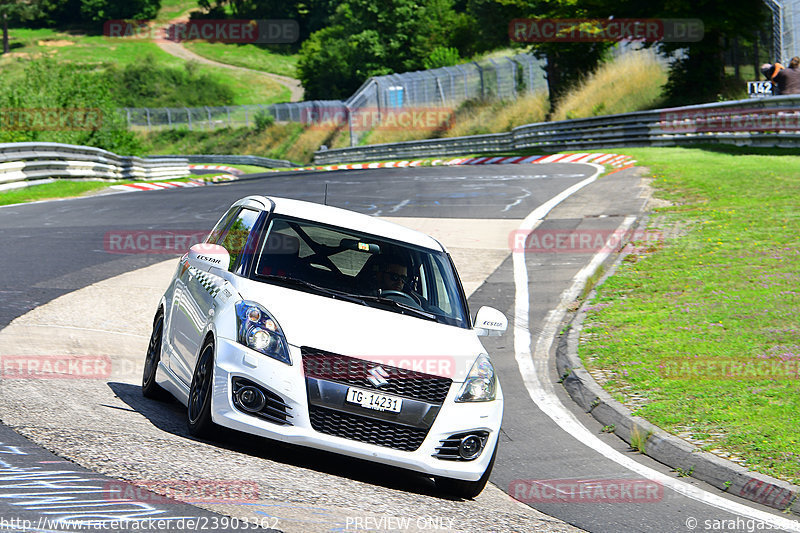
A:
326, 328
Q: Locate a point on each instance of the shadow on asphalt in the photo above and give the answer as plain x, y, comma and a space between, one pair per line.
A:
170, 416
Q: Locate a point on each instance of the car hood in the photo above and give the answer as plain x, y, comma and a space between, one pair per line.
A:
368, 333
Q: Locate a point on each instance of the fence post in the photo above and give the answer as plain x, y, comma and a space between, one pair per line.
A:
189, 117
530, 72
350, 124
513, 76
147, 112
228, 110
128, 113
208, 112
483, 84
497, 77
464, 74
169, 117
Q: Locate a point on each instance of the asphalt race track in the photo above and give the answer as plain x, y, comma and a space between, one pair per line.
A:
52, 249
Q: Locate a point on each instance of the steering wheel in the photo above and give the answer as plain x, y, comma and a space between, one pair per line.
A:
403, 295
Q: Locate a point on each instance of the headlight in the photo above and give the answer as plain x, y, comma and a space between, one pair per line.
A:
481, 382
257, 329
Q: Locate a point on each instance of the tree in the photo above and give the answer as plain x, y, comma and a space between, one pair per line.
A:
99, 11
566, 63
698, 74
17, 10
311, 15
371, 38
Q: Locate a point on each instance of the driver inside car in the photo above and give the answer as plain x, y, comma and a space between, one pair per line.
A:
391, 273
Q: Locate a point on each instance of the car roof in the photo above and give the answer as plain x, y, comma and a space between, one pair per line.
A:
335, 216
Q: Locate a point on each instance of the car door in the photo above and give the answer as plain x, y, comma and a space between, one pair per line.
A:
193, 301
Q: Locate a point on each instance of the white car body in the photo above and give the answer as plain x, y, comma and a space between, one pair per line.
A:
199, 309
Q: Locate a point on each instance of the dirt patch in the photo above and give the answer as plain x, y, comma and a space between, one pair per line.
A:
56, 42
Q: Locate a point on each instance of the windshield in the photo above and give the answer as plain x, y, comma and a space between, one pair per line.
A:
378, 272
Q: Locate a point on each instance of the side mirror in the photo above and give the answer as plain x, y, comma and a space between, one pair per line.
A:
204, 256
489, 322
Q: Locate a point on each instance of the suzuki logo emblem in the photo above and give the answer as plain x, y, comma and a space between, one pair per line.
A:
377, 376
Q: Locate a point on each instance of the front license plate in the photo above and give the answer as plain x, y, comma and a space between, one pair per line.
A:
374, 400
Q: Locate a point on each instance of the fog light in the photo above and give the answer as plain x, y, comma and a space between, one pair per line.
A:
251, 399
470, 447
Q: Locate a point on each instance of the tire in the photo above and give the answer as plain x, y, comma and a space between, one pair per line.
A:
151, 389
198, 409
467, 489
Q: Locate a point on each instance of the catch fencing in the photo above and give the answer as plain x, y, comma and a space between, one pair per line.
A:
503, 78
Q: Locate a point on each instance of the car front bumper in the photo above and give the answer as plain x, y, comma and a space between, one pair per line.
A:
289, 383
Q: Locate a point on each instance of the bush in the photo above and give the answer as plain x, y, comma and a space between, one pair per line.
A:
442, 56
65, 103
99, 11
263, 120
148, 84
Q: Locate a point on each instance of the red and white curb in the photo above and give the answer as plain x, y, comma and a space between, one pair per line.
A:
222, 168
617, 161
157, 185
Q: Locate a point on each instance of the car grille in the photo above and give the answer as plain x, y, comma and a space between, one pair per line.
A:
353, 371
363, 429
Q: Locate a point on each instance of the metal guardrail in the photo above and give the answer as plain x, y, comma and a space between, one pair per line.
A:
32, 161
773, 121
252, 160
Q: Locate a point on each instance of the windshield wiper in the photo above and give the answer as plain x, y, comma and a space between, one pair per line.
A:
419, 313
338, 295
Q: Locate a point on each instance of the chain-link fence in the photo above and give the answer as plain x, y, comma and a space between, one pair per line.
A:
209, 117
502, 78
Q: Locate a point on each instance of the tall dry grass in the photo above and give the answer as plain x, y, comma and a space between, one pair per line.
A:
632, 82
476, 118
303, 148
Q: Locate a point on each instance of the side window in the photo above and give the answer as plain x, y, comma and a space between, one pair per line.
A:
234, 237
441, 292
219, 229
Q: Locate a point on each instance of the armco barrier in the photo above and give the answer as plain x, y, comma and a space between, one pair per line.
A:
32, 161
252, 160
771, 121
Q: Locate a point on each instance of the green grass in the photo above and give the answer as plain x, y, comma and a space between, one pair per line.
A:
722, 287
99, 50
62, 188
172, 9
246, 55
57, 189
